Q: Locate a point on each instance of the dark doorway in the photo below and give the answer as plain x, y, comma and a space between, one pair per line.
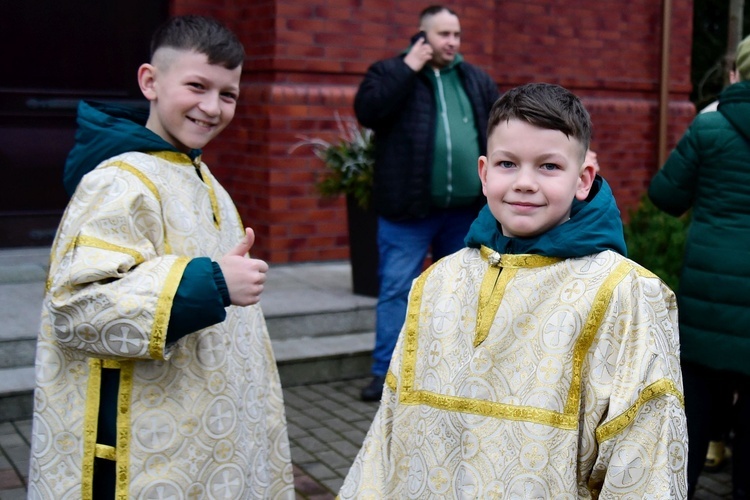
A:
56, 53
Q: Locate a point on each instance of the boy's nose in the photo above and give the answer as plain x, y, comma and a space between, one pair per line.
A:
210, 104
525, 180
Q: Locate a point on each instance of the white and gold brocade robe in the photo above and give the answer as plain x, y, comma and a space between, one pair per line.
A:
522, 376
202, 418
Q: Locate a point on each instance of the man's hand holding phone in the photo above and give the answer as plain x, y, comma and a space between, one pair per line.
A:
420, 52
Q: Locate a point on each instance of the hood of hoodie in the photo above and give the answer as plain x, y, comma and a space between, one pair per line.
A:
594, 226
734, 104
106, 130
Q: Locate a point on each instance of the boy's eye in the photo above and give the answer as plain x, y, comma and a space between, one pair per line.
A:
506, 164
229, 96
549, 166
195, 85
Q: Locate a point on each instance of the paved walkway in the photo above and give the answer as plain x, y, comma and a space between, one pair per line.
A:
327, 423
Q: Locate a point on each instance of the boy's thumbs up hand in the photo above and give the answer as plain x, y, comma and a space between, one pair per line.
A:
244, 276
245, 244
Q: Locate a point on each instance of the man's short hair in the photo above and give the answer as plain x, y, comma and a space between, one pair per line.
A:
434, 9
203, 35
544, 105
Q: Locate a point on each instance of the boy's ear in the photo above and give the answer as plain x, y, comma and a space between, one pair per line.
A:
585, 181
482, 170
146, 80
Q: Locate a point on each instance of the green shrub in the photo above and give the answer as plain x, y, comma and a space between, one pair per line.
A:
656, 241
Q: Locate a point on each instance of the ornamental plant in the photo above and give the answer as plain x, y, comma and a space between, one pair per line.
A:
656, 240
349, 161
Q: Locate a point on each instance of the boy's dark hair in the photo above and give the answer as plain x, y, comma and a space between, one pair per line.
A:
544, 105
203, 35
434, 9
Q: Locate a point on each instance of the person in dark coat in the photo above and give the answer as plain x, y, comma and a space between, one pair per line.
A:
429, 110
709, 172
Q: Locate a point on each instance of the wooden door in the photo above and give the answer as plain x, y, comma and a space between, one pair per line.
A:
54, 54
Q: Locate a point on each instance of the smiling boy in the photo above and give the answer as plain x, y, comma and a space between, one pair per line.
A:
539, 362
155, 375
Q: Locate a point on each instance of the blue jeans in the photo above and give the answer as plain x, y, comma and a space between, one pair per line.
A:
402, 249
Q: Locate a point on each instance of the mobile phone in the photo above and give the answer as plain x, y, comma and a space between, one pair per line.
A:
416, 37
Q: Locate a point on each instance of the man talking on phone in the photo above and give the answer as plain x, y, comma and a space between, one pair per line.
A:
429, 110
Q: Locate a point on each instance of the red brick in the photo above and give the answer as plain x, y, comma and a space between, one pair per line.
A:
305, 61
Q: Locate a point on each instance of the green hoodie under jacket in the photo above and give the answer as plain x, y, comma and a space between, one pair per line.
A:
709, 171
455, 182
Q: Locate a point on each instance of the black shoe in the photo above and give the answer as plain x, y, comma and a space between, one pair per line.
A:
374, 390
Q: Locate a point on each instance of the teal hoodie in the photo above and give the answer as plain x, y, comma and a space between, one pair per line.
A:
106, 130
595, 225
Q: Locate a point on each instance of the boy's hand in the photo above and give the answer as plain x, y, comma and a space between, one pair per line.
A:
418, 55
244, 276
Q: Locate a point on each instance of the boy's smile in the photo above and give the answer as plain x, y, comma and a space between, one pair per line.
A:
192, 101
531, 176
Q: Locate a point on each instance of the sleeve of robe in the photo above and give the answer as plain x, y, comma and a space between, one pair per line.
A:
113, 283
642, 439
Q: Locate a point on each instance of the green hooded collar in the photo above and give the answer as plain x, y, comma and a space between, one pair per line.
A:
106, 130
594, 226
734, 104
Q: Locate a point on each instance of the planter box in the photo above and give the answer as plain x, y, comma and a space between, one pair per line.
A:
363, 248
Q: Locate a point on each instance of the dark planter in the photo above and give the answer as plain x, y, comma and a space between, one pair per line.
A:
363, 248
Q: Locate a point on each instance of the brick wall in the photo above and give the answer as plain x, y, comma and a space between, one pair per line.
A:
305, 60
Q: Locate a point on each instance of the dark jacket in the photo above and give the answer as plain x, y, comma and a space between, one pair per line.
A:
399, 106
709, 171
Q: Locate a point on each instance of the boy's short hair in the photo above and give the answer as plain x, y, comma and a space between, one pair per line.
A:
203, 35
544, 105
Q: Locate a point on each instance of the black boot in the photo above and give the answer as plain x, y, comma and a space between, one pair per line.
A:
374, 390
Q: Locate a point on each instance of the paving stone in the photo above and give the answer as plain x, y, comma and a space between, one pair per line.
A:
320, 471
355, 436
324, 496
307, 486
13, 494
9, 480
348, 415
295, 401
334, 484
316, 413
294, 431
305, 422
311, 444
333, 459
300, 456
12, 440
325, 434
24, 427
346, 448
363, 425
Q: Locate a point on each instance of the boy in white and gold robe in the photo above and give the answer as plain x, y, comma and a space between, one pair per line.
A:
539, 362
155, 375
